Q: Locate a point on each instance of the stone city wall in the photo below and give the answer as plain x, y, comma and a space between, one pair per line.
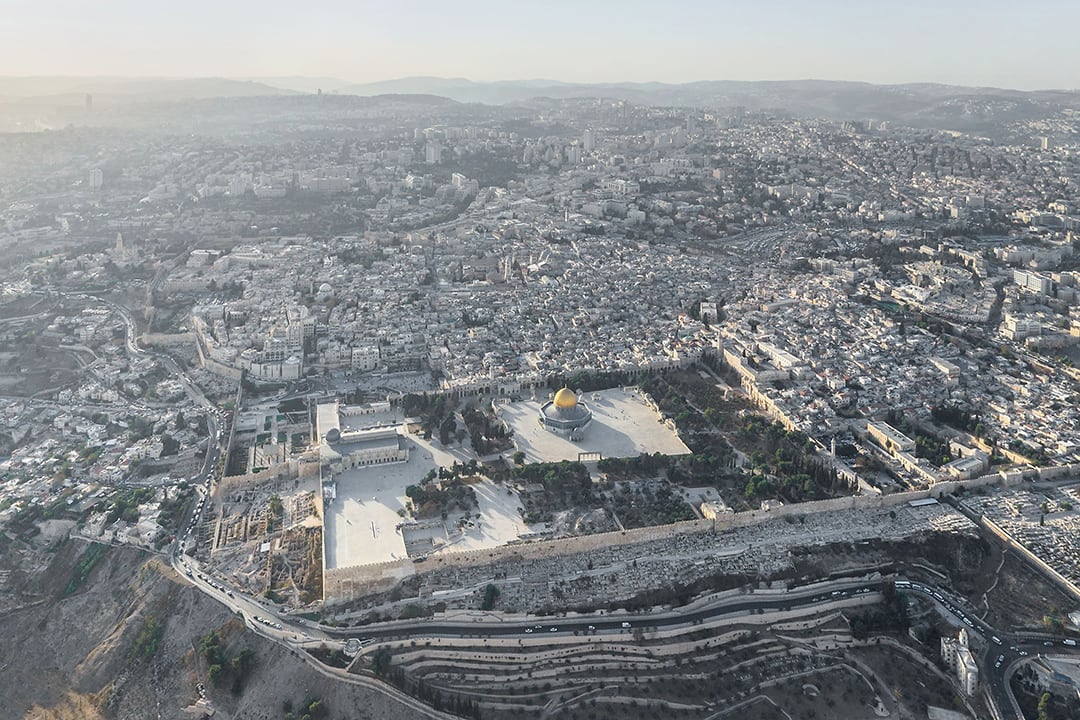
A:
228, 371
303, 467
343, 584
1062, 581
287, 470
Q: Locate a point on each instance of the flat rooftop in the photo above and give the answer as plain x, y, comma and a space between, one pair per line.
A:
623, 425
352, 418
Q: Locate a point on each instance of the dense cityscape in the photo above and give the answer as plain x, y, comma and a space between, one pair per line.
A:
570, 406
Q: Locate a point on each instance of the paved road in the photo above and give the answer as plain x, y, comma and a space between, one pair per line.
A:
998, 662
619, 623
1004, 651
259, 615
215, 438
193, 391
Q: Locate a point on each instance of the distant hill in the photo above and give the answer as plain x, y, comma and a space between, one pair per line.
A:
301, 83
420, 85
117, 89
464, 90
917, 103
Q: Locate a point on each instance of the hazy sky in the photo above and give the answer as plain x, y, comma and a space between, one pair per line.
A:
1029, 44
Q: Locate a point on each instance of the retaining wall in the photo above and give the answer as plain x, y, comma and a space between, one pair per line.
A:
342, 584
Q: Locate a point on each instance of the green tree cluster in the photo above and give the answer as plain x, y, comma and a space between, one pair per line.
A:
220, 667
491, 594
90, 557
146, 642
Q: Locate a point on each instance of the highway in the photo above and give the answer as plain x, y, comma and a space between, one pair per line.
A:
292, 633
1002, 656
284, 627
1004, 650
262, 617
613, 624
215, 436
997, 662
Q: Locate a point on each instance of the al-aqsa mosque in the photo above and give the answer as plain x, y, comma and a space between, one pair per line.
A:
565, 414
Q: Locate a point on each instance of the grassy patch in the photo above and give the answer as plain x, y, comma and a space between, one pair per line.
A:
90, 557
146, 643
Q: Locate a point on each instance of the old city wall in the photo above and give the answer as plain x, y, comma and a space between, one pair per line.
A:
1063, 582
302, 467
1058, 472
226, 371
342, 584
275, 473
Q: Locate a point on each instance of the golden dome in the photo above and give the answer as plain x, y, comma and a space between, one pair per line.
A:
565, 398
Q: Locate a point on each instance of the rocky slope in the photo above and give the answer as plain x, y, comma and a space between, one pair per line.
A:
95, 632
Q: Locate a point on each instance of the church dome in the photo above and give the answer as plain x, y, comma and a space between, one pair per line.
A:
565, 398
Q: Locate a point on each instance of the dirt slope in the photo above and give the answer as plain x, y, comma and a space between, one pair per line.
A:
123, 642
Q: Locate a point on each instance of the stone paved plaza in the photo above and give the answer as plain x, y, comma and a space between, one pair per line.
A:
623, 425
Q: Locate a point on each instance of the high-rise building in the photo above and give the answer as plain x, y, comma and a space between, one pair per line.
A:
433, 153
96, 179
89, 102
588, 142
1044, 142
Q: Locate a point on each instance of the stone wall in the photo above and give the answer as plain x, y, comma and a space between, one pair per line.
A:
282, 471
1062, 581
342, 584
227, 371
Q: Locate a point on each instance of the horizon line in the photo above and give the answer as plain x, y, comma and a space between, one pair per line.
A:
579, 83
